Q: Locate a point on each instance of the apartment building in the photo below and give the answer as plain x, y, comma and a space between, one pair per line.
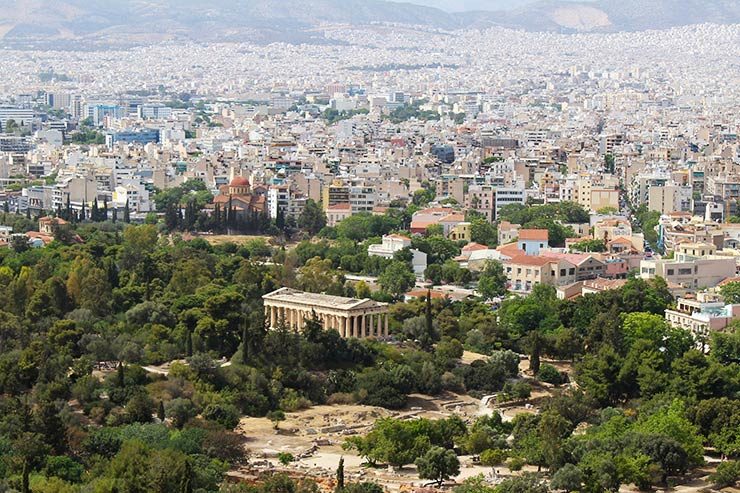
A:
532, 241
688, 272
523, 272
701, 316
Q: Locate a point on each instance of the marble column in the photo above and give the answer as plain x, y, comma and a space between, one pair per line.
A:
378, 328
385, 332
343, 324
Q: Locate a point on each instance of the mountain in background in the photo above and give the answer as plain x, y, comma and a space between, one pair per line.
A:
76, 22
611, 15
474, 5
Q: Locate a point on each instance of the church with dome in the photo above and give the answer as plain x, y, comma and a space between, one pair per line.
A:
243, 199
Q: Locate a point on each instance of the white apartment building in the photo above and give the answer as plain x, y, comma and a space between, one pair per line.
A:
395, 243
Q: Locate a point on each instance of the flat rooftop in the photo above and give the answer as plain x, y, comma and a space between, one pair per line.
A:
297, 297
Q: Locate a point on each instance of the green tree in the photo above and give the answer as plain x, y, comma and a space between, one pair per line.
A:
167, 471
140, 408
397, 278
276, 417
731, 292
29, 451
568, 478
727, 474
180, 411
532, 319
312, 218
482, 231
19, 243
438, 464
725, 345
340, 475
589, 246
492, 281
130, 468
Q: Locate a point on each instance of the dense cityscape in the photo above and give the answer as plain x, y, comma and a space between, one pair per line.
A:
402, 259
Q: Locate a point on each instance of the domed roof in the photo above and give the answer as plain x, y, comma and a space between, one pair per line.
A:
239, 181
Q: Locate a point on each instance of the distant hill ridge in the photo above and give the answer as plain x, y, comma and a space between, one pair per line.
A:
154, 20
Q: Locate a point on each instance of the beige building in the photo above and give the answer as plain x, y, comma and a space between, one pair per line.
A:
336, 213
669, 198
507, 232
689, 272
348, 316
602, 198
524, 272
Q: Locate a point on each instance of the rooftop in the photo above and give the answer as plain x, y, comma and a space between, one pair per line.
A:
534, 234
297, 297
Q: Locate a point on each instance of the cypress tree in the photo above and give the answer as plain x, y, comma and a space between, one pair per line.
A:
114, 216
127, 213
160, 411
245, 341
340, 475
105, 210
429, 319
121, 380
25, 472
189, 343
186, 485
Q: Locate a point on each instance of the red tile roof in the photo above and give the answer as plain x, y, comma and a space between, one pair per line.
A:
534, 234
531, 260
471, 247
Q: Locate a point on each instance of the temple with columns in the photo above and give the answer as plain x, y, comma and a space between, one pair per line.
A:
349, 316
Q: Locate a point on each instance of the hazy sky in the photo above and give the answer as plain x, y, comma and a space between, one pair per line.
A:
463, 5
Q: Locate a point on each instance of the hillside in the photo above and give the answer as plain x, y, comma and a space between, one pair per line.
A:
142, 21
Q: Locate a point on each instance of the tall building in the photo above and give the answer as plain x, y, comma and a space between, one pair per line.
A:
23, 117
153, 112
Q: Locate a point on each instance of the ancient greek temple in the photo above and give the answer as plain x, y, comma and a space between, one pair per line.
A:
348, 316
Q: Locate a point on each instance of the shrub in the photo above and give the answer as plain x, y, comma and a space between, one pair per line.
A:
515, 463
292, 401
550, 374
285, 458
341, 398
180, 411
728, 473
224, 414
493, 457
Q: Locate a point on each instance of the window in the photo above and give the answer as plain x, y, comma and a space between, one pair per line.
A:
571, 272
562, 272
670, 272
529, 272
684, 272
